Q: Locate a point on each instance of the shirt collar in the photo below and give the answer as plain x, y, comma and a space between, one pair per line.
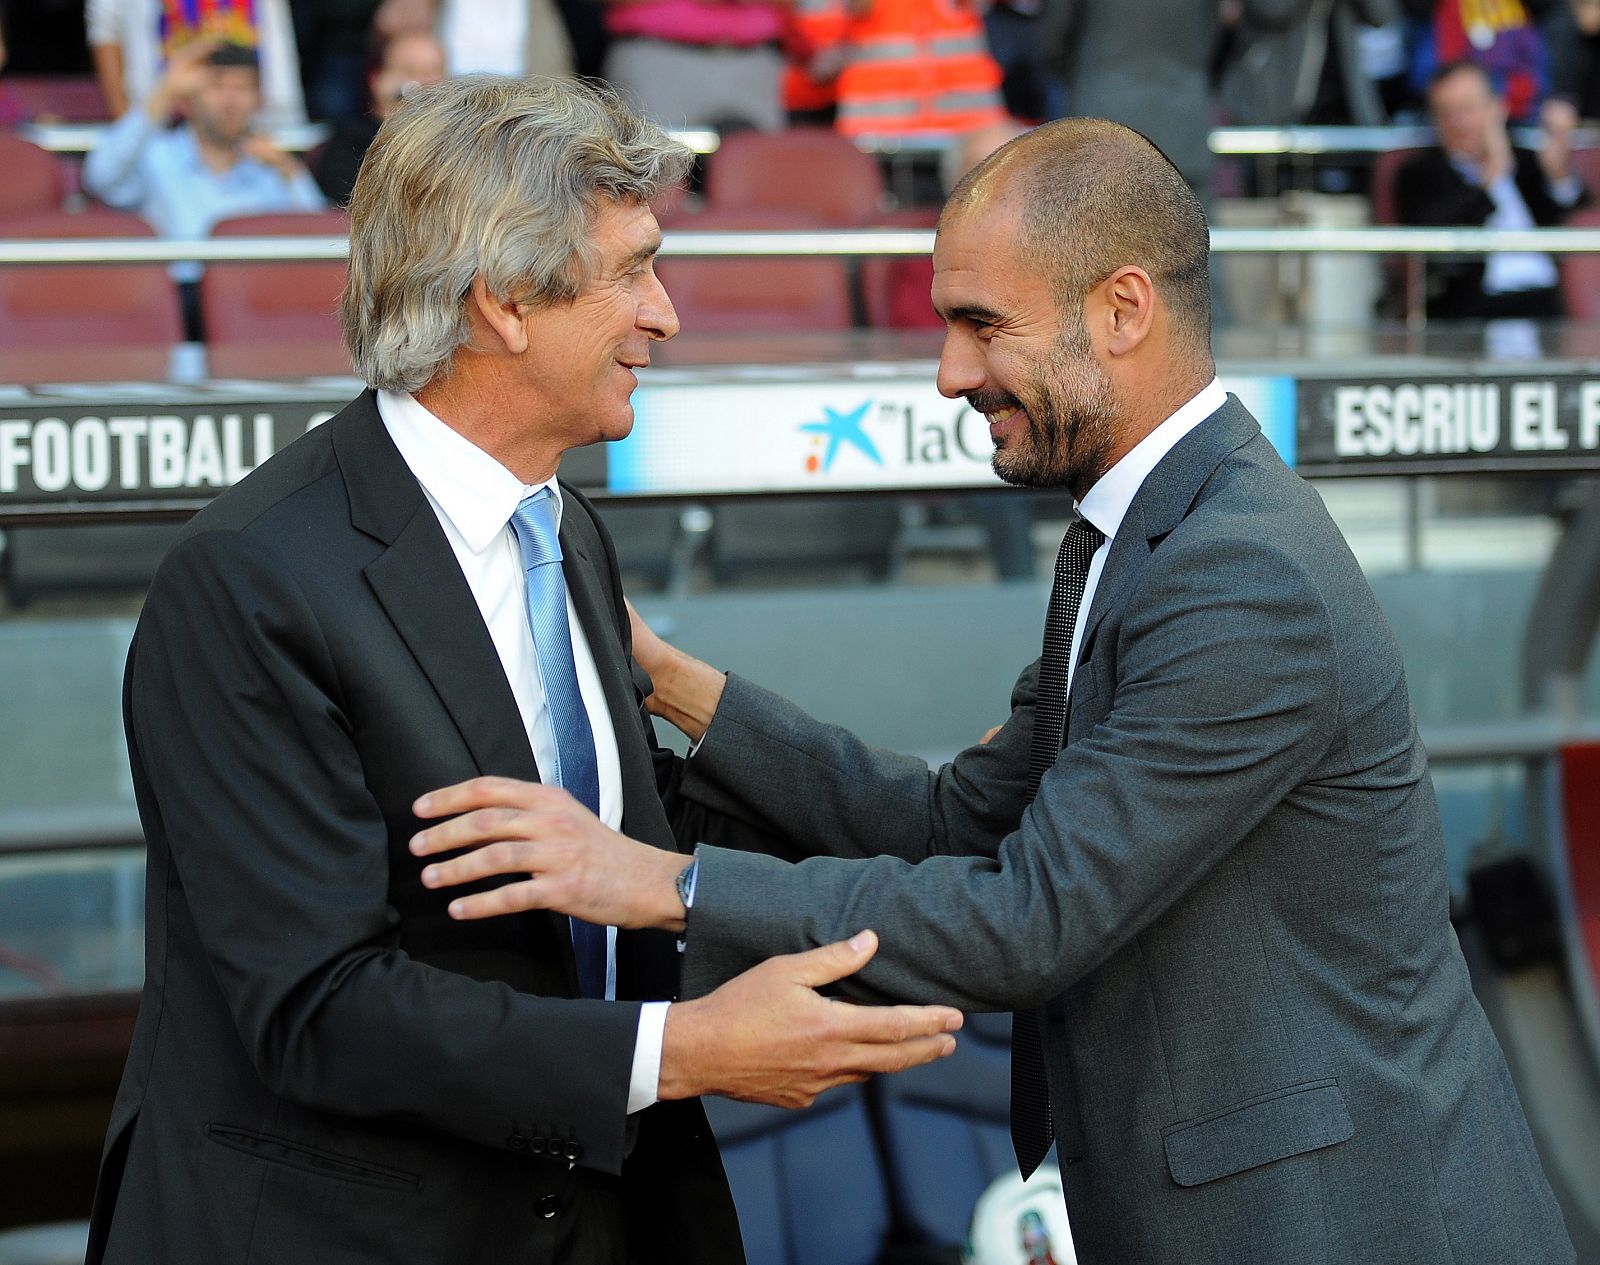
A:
473, 490
1106, 504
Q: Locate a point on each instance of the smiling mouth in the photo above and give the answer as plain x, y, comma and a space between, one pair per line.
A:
1002, 416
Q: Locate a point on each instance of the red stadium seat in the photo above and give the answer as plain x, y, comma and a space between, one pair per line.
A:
809, 170
756, 295
1385, 173
85, 306
278, 317
63, 98
32, 177
896, 288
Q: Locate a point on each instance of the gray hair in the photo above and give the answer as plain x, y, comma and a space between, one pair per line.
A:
485, 176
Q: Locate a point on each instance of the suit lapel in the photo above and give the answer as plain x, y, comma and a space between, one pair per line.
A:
420, 585
641, 805
1161, 503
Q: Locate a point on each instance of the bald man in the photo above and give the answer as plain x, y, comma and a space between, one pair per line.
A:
1202, 860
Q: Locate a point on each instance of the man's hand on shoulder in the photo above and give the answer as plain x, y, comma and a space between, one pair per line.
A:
569, 860
687, 690
769, 1036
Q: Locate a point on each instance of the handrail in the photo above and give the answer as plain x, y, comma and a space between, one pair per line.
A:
828, 242
79, 138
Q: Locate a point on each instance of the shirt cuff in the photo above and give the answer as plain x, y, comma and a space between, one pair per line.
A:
645, 1084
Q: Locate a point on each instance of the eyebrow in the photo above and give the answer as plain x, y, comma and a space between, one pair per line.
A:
973, 312
647, 251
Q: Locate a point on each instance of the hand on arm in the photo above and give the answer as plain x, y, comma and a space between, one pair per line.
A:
764, 1036
264, 150
687, 690
571, 860
768, 1036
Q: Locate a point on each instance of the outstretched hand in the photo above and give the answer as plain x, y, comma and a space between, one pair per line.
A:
570, 861
768, 1036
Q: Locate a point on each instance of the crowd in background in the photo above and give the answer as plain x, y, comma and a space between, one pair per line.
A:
194, 89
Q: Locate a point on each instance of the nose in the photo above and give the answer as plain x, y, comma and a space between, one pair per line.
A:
960, 364
657, 317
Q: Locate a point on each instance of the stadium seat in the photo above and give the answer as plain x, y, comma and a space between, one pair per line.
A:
1586, 166
809, 1185
79, 306
67, 98
32, 177
1580, 274
958, 1109
250, 309
755, 294
1385, 173
895, 289
810, 170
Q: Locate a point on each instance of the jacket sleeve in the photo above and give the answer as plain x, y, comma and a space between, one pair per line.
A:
1226, 698
252, 772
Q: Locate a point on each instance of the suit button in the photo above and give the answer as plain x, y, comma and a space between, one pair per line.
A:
549, 1206
517, 1142
538, 1146
573, 1150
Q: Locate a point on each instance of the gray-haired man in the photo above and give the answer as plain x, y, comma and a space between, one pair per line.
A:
326, 1067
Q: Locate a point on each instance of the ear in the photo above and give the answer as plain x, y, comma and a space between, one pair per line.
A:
1129, 309
502, 321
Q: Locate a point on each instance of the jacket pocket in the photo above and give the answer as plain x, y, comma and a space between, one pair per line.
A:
264, 1146
1271, 1127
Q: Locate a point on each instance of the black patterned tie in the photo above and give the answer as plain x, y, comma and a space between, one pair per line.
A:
1032, 1125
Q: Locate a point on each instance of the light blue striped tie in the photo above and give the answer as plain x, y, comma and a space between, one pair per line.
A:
577, 769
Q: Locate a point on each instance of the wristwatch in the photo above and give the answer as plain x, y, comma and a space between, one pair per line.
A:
686, 881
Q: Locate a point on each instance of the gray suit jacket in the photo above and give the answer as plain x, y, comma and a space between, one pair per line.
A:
1229, 899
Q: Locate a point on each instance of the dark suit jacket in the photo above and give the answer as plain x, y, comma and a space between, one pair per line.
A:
1430, 193
1228, 898
326, 1068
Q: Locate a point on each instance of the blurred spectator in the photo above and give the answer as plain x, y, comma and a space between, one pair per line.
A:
1498, 35
132, 40
1148, 65
1311, 71
1030, 92
406, 62
1475, 177
496, 37
910, 66
810, 26
183, 180
699, 63
334, 38
1572, 33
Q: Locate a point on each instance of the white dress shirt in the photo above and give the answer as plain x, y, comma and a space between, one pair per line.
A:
474, 496
1106, 504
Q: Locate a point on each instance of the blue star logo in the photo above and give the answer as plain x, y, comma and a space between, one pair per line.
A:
844, 428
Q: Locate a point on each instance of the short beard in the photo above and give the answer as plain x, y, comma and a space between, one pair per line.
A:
1071, 425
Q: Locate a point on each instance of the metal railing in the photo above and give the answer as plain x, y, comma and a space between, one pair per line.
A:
1260, 142
854, 243
1416, 244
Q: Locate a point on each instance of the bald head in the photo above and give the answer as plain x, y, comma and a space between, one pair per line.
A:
1091, 197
